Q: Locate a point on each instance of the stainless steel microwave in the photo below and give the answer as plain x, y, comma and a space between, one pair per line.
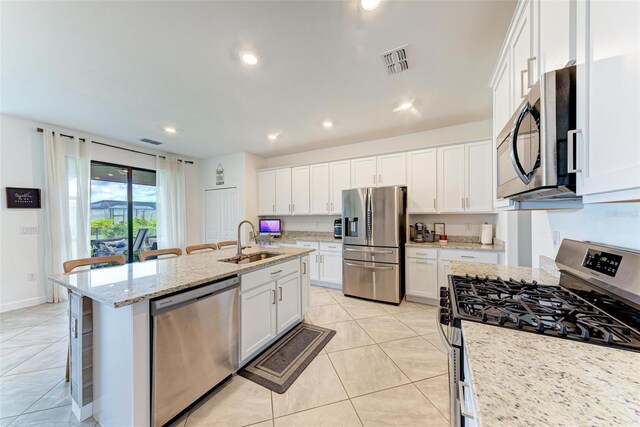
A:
536, 154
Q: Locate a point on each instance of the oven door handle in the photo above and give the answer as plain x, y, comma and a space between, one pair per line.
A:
443, 336
515, 159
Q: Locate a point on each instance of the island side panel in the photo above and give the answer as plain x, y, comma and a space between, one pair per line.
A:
121, 368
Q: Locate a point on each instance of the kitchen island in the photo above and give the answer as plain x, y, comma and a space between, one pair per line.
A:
111, 322
528, 379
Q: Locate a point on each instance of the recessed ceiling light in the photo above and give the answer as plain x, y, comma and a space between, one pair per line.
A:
327, 124
405, 106
249, 58
369, 4
272, 136
168, 129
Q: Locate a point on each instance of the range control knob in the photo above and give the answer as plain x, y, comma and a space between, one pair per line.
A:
444, 292
444, 302
444, 316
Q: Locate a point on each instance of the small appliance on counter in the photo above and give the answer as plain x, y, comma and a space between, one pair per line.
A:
270, 226
337, 229
420, 229
486, 235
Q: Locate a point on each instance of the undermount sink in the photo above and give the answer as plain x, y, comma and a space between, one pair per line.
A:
249, 258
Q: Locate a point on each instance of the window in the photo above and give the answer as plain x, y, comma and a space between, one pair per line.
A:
123, 210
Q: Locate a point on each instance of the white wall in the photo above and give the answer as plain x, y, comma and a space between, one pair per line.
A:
22, 165
616, 224
475, 131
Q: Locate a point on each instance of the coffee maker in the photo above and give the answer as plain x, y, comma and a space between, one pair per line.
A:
420, 230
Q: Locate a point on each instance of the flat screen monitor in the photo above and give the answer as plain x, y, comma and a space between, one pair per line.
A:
271, 226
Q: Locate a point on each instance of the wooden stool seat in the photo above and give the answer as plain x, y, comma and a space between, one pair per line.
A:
225, 243
68, 266
201, 247
143, 256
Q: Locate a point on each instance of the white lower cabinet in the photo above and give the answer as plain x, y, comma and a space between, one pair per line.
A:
422, 278
331, 267
269, 308
314, 260
444, 270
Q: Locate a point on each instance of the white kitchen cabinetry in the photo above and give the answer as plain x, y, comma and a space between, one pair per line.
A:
422, 275
445, 256
364, 172
523, 71
257, 318
266, 192
392, 170
478, 182
289, 303
422, 188
339, 179
556, 25
608, 84
451, 178
330, 263
314, 260
320, 188
283, 191
300, 190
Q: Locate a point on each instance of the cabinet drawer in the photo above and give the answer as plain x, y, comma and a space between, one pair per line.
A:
330, 247
256, 278
306, 244
422, 253
468, 256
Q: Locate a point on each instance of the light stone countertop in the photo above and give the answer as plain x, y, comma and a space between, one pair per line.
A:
456, 245
127, 284
526, 379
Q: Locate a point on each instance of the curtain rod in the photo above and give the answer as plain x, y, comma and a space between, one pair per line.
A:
188, 162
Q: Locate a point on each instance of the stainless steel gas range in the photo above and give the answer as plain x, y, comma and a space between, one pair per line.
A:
596, 302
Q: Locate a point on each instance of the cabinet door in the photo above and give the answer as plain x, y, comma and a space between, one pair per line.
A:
502, 109
556, 31
300, 190
283, 191
479, 184
423, 178
257, 318
444, 270
392, 169
288, 290
266, 192
314, 273
331, 267
521, 56
320, 189
422, 278
451, 178
305, 283
608, 59
339, 179
364, 172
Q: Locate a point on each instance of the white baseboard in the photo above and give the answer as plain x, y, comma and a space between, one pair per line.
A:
22, 303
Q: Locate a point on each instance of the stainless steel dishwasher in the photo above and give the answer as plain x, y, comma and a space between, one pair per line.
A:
195, 346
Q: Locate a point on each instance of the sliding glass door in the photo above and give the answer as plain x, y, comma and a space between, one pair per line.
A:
123, 210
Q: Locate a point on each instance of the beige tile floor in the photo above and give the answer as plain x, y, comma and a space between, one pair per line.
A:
385, 366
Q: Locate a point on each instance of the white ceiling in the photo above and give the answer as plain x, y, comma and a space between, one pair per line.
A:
125, 70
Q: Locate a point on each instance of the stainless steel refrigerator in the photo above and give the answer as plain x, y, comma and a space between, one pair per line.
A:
373, 233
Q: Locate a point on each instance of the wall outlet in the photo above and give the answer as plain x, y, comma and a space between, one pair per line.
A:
467, 226
31, 277
556, 239
29, 230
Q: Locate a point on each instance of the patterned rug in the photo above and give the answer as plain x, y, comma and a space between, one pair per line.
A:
280, 365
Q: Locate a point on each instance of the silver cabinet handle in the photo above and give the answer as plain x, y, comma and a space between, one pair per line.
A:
374, 178
422, 262
463, 410
304, 267
468, 204
380, 179
422, 253
572, 166
293, 207
276, 272
290, 207
280, 288
522, 73
332, 247
529, 73
369, 252
274, 208
327, 206
273, 294
462, 201
316, 258
370, 267
434, 203
331, 206
466, 256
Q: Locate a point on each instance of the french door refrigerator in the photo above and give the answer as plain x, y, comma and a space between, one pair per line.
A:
373, 233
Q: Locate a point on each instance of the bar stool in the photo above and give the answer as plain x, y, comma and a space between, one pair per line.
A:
143, 256
201, 247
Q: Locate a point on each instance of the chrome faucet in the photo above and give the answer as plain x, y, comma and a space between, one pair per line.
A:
239, 251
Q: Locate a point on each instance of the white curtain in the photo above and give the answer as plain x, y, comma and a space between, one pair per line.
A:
66, 196
170, 202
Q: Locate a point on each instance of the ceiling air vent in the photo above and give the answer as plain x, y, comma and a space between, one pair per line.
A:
396, 59
151, 141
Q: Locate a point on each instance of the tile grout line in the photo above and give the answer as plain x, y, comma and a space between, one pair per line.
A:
9, 374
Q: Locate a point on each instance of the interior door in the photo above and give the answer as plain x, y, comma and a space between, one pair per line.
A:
221, 214
339, 179
319, 188
288, 293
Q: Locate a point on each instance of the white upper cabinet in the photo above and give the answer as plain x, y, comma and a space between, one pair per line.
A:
451, 175
556, 49
478, 183
392, 170
422, 181
502, 109
266, 192
300, 190
320, 189
523, 71
283, 191
608, 84
364, 172
339, 179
